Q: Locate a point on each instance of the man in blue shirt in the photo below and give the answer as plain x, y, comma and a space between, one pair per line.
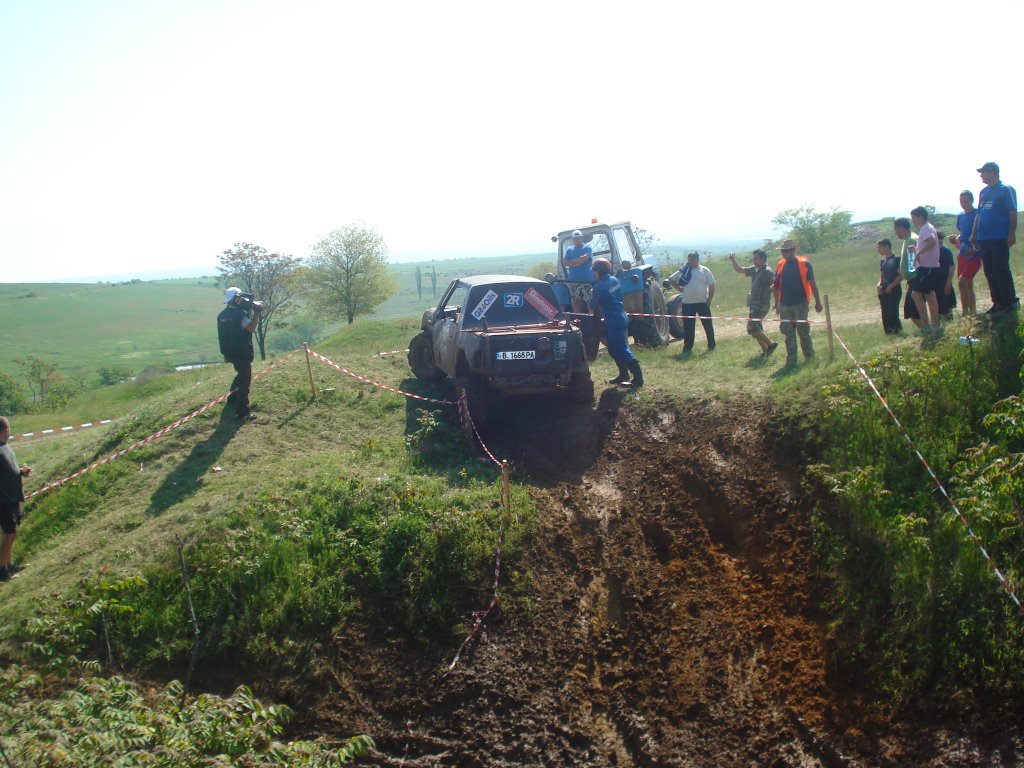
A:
578, 261
995, 232
606, 301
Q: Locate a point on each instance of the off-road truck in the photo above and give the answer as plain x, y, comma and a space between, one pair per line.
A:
500, 336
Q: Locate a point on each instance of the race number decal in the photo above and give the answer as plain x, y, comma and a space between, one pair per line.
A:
485, 304
541, 304
513, 300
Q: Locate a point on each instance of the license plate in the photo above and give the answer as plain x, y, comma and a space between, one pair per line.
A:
527, 354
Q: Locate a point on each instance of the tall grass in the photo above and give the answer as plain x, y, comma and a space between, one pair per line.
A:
918, 611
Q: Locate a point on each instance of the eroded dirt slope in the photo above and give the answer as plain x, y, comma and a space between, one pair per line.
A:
675, 619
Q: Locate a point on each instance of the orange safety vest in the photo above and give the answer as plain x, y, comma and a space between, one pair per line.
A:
802, 263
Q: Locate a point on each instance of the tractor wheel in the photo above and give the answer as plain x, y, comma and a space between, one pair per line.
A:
581, 388
652, 331
675, 324
472, 407
421, 359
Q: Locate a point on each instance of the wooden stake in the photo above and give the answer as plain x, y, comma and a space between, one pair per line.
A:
309, 369
828, 327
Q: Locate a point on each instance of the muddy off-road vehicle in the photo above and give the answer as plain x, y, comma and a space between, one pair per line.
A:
639, 280
500, 336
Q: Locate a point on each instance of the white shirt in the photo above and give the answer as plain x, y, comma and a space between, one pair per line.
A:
696, 291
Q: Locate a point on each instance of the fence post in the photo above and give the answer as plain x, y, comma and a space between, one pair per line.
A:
828, 327
309, 370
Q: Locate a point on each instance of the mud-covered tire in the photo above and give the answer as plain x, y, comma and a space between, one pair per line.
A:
421, 359
652, 331
675, 323
472, 407
581, 388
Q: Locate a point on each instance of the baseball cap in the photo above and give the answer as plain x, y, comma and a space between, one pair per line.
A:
230, 293
577, 233
989, 167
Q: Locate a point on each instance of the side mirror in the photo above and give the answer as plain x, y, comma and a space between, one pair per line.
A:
666, 284
549, 277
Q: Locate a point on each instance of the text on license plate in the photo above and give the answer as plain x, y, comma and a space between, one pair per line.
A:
526, 354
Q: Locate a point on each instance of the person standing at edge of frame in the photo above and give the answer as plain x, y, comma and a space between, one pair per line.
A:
235, 326
12, 493
995, 232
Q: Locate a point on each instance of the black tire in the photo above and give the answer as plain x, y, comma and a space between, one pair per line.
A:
581, 388
675, 324
659, 323
472, 407
421, 358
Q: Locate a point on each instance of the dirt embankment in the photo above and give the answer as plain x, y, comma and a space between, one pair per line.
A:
675, 620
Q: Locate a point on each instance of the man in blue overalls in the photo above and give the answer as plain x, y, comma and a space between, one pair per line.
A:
606, 301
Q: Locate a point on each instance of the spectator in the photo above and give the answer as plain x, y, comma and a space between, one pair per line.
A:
968, 261
578, 261
908, 247
235, 325
944, 293
995, 232
606, 301
794, 285
890, 288
759, 300
12, 493
926, 276
697, 285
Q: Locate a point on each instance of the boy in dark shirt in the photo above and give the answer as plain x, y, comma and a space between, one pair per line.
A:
944, 282
890, 290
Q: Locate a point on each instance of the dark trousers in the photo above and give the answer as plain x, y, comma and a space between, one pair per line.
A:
689, 326
240, 385
890, 303
995, 257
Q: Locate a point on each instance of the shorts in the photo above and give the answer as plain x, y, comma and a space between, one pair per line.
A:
910, 311
10, 516
580, 291
967, 268
923, 280
755, 327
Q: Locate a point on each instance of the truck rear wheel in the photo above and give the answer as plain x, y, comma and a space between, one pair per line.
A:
581, 388
675, 323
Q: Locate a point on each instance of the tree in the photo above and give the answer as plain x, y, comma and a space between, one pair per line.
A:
349, 274
419, 282
815, 231
40, 374
268, 276
12, 397
645, 240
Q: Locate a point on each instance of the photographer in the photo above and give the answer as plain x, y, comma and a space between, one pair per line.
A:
235, 325
11, 496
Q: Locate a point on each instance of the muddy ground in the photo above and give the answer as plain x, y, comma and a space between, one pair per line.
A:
675, 619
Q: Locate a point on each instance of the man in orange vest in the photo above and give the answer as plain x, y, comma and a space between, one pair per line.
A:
794, 286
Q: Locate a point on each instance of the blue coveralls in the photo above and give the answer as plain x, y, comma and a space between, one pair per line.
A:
608, 296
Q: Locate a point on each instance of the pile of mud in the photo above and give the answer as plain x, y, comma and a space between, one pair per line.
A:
675, 620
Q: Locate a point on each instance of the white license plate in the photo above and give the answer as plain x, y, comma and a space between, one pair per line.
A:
527, 354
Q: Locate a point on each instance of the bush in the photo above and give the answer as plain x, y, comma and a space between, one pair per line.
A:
12, 396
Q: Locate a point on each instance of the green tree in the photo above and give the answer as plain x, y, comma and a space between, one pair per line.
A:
814, 230
40, 374
419, 282
349, 274
268, 276
112, 374
12, 397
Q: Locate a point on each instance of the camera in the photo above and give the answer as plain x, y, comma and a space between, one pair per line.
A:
247, 301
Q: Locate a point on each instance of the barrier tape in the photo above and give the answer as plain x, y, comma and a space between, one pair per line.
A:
54, 431
747, 319
150, 438
1003, 581
365, 380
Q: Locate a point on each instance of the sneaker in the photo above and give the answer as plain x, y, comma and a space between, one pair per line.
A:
771, 348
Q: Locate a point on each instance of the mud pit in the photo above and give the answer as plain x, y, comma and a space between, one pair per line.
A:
675, 620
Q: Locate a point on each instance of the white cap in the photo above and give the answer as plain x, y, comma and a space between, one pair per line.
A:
577, 233
231, 293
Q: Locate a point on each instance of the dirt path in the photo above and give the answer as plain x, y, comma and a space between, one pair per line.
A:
675, 621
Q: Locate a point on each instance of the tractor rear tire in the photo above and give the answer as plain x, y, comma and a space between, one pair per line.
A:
675, 323
652, 331
421, 358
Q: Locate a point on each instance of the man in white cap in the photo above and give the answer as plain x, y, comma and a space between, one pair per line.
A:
579, 262
994, 234
235, 325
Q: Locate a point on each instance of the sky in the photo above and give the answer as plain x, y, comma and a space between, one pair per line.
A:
140, 135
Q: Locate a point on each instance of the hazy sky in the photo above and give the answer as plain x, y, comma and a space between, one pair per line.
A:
138, 135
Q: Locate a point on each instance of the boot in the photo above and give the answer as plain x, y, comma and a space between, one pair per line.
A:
623, 377
638, 377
